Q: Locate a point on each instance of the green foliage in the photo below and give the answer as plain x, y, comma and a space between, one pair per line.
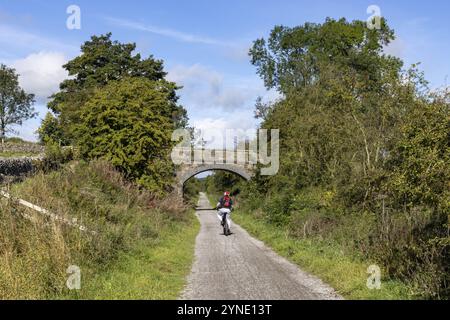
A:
117, 106
129, 123
55, 157
50, 131
103, 61
221, 181
365, 150
128, 224
191, 189
293, 58
16, 105
420, 161
416, 182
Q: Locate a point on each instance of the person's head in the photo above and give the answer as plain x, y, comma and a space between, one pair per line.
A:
226, 194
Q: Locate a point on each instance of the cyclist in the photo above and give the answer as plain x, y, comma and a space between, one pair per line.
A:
225, 206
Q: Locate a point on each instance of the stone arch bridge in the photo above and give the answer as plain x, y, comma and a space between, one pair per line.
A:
242, 168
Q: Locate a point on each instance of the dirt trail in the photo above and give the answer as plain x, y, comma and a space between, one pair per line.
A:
243, 268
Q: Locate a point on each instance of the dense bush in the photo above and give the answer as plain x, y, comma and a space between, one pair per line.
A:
191, 189
50, 131
55, 156
129, 123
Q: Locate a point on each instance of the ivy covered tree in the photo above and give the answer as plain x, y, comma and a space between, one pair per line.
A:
129, 122
16, 105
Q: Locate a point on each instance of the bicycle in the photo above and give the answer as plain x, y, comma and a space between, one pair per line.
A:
225, 220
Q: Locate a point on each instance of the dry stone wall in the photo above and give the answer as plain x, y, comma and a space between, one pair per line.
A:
32, 148
14, 168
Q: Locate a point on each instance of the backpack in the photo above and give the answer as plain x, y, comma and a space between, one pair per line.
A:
226, 202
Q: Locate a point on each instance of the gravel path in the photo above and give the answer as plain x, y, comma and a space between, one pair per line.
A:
240, 267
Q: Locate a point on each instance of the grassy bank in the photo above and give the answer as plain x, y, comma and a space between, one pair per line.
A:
347, 274
136, 247
149, 270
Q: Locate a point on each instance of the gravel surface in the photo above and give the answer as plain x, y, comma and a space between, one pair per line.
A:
239, 267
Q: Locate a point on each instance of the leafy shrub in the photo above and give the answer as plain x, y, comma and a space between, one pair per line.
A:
54, 157
191, 190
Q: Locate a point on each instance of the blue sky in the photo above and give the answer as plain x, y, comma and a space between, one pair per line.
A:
204, 44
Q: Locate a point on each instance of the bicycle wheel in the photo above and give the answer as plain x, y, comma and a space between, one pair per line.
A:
227, 229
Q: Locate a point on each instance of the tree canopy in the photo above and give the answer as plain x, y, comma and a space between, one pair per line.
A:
118, 106
296, 57
16, 105
367, 135
129, 122
102, 61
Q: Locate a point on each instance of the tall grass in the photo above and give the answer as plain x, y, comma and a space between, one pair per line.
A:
398, 241
35, 251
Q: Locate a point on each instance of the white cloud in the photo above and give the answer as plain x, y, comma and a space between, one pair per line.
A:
216, 102
232, 121
204, 88
41, 73
193, 74
174, 34
216, 127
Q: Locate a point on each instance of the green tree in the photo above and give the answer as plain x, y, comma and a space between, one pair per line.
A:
50, 131
358, 134
101, 62
129, 122
295, 57
342, 100
16, 105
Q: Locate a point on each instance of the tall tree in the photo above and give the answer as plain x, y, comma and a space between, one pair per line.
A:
358, 130
294, 57
336, 81
102, 61
16, 105
129, 122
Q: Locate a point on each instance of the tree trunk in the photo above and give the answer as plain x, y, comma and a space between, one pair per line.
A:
2, 133
3, 144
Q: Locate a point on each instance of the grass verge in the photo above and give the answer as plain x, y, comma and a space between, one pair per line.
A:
142, 247
347, 275
149, 271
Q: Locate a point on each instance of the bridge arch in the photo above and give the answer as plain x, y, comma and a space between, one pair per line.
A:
187, 173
